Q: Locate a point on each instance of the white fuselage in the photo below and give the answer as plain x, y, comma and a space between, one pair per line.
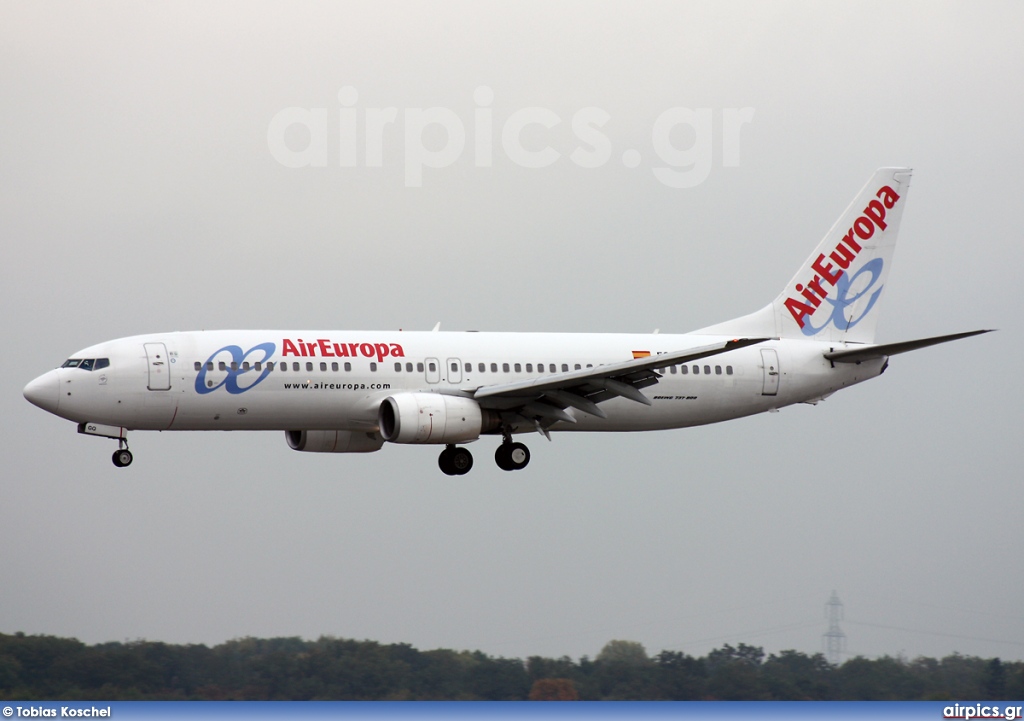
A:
337, 380
353, 391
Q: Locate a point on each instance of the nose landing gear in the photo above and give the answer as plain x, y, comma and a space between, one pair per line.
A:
122, 457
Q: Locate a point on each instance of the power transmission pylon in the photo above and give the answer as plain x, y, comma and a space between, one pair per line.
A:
834, 639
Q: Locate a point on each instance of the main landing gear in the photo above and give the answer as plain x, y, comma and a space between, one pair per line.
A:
457, 461
512, 456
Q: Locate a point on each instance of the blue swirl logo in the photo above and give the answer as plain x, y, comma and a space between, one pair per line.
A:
235, 370
843, 284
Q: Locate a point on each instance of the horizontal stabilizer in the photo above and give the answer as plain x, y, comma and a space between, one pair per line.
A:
874, 352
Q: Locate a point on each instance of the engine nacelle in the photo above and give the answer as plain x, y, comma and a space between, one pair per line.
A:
433, 418
333, 441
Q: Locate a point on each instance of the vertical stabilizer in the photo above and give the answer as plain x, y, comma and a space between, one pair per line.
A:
835, 295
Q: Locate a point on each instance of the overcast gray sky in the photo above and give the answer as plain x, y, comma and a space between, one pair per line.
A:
139, 193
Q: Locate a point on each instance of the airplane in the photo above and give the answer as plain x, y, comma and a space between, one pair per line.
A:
354, 391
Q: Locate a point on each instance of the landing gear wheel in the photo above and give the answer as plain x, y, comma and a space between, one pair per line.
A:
122, 458
455, 461
512, 456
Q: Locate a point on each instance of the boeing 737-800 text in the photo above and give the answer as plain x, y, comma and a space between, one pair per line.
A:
354, 391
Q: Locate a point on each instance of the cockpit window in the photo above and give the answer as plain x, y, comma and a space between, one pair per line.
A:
87, 364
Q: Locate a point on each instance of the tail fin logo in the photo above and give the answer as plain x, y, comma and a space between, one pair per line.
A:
834, 273
843, 284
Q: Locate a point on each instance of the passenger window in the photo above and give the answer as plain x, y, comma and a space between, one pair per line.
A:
209, 365
728, 370
245, 366
504, 367
309, 365
529, 368
234, 365
295, 366
469, 367
270, 365
494, 368
432, 367
348, 366
221, 365
672, 370
199, 366
707, 370
398, 366
373, 367
590, 365
481, 367
323, 366
718, 370
282, 366
577, 367
334, 366
565, 367
696, 370
259, 365
519, 368
553, 368
455, 367
408, 367
419, 367
684, 369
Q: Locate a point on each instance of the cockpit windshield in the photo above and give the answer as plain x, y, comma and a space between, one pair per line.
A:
86, 364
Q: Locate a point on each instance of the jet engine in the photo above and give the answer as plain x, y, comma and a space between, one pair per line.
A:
433, 418
333, 441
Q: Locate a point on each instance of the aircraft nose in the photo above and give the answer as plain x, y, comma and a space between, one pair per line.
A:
44, 391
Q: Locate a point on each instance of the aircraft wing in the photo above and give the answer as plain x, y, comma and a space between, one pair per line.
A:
543, 399
874, 352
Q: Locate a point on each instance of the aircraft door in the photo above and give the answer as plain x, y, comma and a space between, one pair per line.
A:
454, 370
770, 361
433, 370
159, 367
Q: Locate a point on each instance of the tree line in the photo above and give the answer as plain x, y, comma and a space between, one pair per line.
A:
52, 668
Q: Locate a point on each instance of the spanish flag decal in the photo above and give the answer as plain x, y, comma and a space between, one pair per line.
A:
641, 354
